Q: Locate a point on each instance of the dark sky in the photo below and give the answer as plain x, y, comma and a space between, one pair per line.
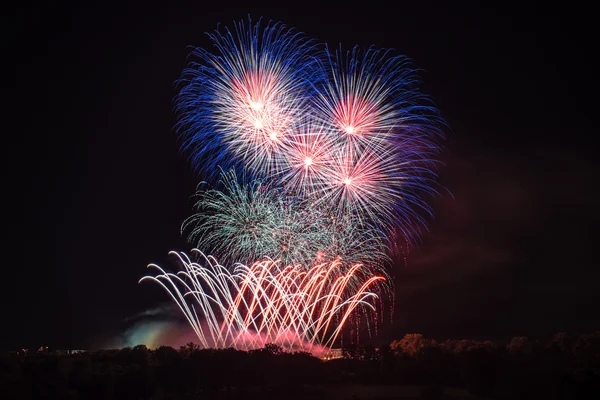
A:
103, 190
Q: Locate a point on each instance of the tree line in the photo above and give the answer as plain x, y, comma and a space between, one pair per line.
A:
564, 367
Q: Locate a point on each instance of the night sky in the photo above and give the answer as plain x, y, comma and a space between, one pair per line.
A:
103, 189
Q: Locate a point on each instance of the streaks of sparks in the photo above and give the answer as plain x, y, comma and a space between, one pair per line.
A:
248, 307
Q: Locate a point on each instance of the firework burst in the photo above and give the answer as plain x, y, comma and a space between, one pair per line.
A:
307, 158
243, 222
240, 104
386, 136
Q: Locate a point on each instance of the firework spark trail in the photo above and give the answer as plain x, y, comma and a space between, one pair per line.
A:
249, 307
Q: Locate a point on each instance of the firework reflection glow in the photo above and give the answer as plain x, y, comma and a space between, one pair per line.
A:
295, 307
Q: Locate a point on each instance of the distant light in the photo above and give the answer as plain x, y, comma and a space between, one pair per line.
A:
256, 105
258, 124
273, 135
347, 181
307, 162
349, 129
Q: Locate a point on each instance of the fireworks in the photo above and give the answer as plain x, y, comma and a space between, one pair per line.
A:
350, 130
249, 307
326, 156
241, 103
244, 222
